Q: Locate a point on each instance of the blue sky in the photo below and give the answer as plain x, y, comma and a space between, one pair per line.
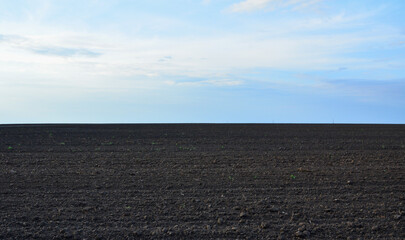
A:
209, 61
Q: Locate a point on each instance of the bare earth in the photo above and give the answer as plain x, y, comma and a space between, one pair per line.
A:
195, 181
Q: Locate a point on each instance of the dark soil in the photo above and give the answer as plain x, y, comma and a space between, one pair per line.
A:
202, 181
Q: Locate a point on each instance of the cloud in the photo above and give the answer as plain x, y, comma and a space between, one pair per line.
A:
12, 39
64, 52
83, 59
209, 82
165, 58
249, 5
98, 58
253, 5
42, 48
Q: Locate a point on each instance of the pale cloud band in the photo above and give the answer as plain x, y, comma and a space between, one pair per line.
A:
35, 46
253, 5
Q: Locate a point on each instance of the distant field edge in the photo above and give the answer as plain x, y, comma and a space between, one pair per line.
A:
19, 125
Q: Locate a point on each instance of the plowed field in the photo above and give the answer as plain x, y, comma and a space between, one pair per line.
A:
202, 181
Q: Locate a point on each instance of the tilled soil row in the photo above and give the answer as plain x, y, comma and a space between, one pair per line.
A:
202, 181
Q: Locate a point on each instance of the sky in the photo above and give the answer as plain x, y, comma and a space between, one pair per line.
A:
202, 61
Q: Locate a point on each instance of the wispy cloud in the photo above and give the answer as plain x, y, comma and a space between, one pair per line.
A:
37, 47
249, 5
207, 82
12, 39
64, 52
300, 44
153, 59
165, 58
253, 5
205, 2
